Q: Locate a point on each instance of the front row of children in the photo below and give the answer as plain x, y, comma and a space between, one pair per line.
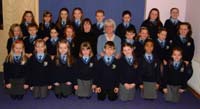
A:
108, 77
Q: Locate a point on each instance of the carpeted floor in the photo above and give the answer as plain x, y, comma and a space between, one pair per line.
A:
188, 101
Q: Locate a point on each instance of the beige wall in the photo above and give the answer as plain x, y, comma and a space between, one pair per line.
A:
12, 13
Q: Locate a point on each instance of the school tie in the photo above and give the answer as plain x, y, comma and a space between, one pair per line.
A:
63, 23
162, 43
184, 40
108, 60
47, 25
130, 60
99, 26
86, 60
141, 41
53, 41
150, 59
31, 39
69, 40
77, 23
17, 59
63, 59
40, 58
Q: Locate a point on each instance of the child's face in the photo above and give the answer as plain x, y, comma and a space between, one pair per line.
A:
28, 17
87, 27
86, 52
162, 35
99, 17
126, 18
40, 47
63, 15
153, 15
130, 35
32, 31
63, 49
69, 32
176, 55
18, 48
17, 31
77, 14
143, 34
109, 28
174, 13
109, 51
127, 51
54, 33
47, 18
148, 47
183, 30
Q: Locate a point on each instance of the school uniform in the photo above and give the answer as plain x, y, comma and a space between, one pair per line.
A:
24, 29
73, 47
121, 29
98, 29
15, 74
61, 26
63, 74
52, 46
39, 74
149, 71
128, 73
77, 26
29, 43
153, 27
174, 75
85, 73
10, 41
172, 27
107, 77
44, 29
132, 42
139, 51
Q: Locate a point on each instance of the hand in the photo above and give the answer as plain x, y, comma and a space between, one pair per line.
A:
8, 86
56, 84
165, 90
31, 88
68, 83
116, 90
157, 86
49, 87
141, 86
132, 85
46, 38
181, 90
26, 86
76, 87
127, 86
164, 62
93, 88
29, 55
52, 57
98, 90
186, 62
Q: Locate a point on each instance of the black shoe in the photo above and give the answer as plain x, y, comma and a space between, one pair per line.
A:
14, 97
19, 97
59, 96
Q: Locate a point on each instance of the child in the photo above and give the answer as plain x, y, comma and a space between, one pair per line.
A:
126, 23
46, 25
186, 43
107, 78
143, 35
63, 20
14, 71
85, 72
130, 37
149, 72
15, 33
63, 75
39, 75
30, 40
77, 17
52, 42
27, 19
174, 82
98, 26
128, 71
172, 23
153, 23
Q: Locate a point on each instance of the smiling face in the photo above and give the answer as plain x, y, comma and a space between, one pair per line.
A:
127, 51
87, 27
17, 31
85, 51
69, 32
99, 16
28, 17
174, 13
63, 15
148, 47
162, 35
144, 34
153, 15
32, 31
77, 14
40, 47
109, 51
183, 30
130, 35
53, 33
18, 48
63, 48
126, 18
176, 55
47, 18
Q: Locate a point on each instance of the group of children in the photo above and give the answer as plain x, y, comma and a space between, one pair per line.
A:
62, 57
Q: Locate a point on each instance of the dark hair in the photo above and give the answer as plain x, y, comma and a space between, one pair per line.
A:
55, 28
130, 29
158, 18
174, 9
77, 8
30, 12
32, 25
45, 14
126, 12
99, 11
86, 20
162, 29
176, 48
189, 34
148, 40
109, 44
58, 22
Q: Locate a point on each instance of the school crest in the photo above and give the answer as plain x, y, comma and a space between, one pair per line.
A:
91, 65
167, 47
22, 62
182, 69
188, 44
114, 66
45, 63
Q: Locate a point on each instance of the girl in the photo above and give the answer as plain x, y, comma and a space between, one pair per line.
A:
85, 71
128, 72
63, 75
174, 76
143, 35
52, 42
186, 43
153, 23
71, 38
77, 17
172, 23
63, 20
27, 19
39, 70
14, 71
15, 33
46, 25
149, 72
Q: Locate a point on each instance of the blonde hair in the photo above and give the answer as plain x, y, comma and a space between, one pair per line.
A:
70, 60
109, 22
85, 45
11, 30
40, 41
10, 57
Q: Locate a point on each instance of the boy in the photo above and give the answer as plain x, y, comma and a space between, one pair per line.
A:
98, 26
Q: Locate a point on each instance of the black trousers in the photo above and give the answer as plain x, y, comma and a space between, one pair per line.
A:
109, 92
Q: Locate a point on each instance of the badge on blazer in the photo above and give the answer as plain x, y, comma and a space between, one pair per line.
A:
167, 47
73, 45
45, 63
114, 66
91, 65
23, 62
134, 47
188, 44
170, 41
155, 64
182, 69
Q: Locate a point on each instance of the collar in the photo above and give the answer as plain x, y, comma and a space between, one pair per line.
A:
110, 39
